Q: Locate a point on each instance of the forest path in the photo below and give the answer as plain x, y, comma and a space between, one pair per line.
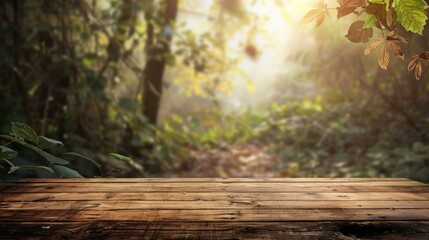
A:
235, 160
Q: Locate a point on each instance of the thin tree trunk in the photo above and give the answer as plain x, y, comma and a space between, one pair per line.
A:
16, 6
154, 70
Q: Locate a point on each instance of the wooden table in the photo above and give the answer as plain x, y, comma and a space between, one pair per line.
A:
203, 208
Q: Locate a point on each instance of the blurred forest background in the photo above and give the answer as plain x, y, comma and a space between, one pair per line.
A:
208, 88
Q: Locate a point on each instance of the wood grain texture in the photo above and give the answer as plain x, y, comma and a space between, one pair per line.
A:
212, 196
211, 205
216, 230
265, 208
210, 180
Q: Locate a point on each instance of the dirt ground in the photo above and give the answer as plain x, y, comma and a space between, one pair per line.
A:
237, 160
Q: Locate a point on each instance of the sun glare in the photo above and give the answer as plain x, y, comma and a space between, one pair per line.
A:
273, 31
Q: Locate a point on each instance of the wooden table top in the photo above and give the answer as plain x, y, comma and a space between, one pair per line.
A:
203, 208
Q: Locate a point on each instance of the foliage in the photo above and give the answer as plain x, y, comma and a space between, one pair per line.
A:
75, 70
341, 142
389, 16
24, 135
310, 138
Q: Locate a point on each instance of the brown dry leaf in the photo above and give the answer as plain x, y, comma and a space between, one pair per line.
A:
373, 45
413, 62
416, 64
383, 58
320, 20
357, 33
318, 14
419, 70
396, 38
424, 55
396, 49
311, 15
348, 6
378, 10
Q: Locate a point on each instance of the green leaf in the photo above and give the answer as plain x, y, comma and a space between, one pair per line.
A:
19, 141
6, 153
83, 157
131, 162
370, 21
8, 162
25, 132
121, 157
49, 157
54, 160
146, 137
46, 143
411, 14
15, 168
66, 172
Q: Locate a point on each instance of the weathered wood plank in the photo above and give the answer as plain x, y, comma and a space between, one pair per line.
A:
215, 230
196, 180
159, 232
217, 184
212, 196
218, 215
12, 188
298, 226
181, 235
214, 209
211, 205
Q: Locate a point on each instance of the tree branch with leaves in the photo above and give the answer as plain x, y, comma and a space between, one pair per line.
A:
387, 16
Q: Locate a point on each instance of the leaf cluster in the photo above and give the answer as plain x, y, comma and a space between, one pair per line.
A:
388, 16
24, 135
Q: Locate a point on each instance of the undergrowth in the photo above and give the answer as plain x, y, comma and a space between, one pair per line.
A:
310, 138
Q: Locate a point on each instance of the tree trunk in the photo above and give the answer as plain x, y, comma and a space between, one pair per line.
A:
16, 6
154, 70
